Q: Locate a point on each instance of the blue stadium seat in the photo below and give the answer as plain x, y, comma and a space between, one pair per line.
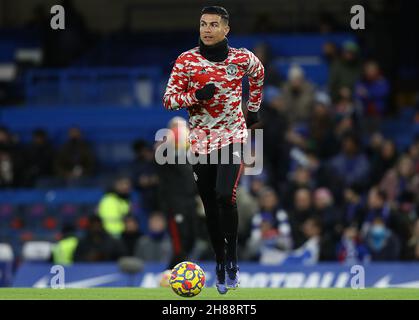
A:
80, 86
407, 113
7, 212
288, 45
110, 129
13, 39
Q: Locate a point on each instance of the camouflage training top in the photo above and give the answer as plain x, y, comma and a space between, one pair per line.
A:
217, 122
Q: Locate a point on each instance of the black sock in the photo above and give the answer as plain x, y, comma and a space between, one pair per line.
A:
230, 221
220, 271
231, 250
215, 236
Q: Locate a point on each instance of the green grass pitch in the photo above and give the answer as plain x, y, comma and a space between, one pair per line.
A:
209, 294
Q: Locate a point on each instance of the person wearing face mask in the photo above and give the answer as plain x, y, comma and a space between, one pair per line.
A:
378, 206
115, 205
382, 244
155, 246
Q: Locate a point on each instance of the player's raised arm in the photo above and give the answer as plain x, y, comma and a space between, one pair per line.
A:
177, 94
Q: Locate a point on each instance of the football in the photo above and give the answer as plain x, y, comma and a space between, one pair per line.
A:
187, 279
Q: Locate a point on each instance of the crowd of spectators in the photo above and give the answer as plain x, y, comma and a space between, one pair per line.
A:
23, 165
333, 187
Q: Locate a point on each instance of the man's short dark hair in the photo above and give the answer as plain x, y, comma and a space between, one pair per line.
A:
220, 11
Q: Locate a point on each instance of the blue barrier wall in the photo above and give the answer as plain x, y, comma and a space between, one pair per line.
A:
128, 49
26, 212
110, 129
106, 86
287, 45
6, 274
98, 123
51, 197
379, 275
13, 39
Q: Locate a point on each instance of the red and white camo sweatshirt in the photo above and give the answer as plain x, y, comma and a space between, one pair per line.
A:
217, 122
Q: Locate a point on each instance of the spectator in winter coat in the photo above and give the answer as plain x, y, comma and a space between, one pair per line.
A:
298, 95
382, 243
345, 72
351, 166
372, 91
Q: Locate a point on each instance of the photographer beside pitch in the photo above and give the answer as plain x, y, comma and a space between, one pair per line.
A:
207, 80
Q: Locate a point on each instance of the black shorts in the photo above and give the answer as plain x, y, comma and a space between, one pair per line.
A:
220, 179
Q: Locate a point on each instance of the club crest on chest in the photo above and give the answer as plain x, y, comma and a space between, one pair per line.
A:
232, 70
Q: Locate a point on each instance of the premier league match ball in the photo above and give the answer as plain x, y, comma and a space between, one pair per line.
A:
187, 279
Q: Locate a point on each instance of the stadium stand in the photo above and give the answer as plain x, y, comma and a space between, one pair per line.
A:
112, 93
